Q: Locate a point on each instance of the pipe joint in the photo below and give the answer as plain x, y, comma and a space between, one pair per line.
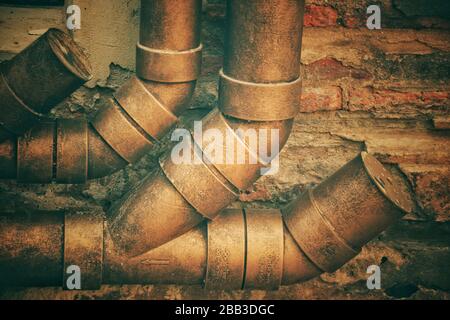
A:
168, 65
259, 101
40, 77
143, 107
85, 255
209, 193
72, 151
245, 250
317, 237
132, 143
237, 161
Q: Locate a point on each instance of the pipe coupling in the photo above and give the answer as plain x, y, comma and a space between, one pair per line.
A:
259, 101
87, 255
317, 237
35, 154
225, 265
143, 107
245, 250
203, 188
168, 65
131, 144
239, 163
72, 151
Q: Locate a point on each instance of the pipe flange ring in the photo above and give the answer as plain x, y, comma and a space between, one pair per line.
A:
72, 151
143, 107
120, 134
35, 154
205, 190
315, 236
226, 251
259, 101
265, 249
236, 161
83, 248
168, 65
15, 115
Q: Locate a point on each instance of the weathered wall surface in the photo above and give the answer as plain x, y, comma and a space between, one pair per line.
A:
385, 91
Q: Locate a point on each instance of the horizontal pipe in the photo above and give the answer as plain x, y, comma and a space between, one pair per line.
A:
241, 249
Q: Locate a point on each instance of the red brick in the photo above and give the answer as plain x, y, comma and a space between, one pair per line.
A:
321, 99
431, 184
351, 21
366, 98
332, 69
436, 98
320, 16
433, 193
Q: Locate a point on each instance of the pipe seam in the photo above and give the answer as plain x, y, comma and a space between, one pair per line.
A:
331, 251
238, 163
15, 113
142, 106
209, 194
85, 254
249, 100
109, 121
168, 65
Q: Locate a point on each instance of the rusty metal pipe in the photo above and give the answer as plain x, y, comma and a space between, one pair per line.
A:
241, 249
38, 78
205, 185
127, 126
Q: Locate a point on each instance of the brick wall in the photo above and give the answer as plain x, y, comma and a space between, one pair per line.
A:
385, 91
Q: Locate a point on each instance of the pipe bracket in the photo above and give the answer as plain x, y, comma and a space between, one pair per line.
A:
168, 65
259, 101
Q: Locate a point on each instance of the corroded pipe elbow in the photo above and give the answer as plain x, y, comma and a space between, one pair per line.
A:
242, 249
259, 90
128, 125
37, 79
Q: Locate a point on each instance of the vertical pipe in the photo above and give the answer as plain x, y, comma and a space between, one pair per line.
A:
207, 187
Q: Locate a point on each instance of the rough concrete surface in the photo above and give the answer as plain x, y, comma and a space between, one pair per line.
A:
384, 91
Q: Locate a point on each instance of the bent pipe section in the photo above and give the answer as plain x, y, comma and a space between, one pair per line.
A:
127, 126
37, 79
259, 90
242, 249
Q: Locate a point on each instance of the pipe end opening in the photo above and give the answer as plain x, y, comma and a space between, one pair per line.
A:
393, 188
70, 54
